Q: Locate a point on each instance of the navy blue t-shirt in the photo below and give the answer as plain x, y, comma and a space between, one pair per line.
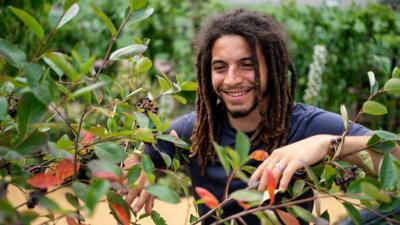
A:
306, 121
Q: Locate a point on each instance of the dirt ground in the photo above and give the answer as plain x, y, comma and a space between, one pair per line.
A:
173, 214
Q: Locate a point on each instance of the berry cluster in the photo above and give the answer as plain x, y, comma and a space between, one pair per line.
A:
345, 178
147, 105
34, 197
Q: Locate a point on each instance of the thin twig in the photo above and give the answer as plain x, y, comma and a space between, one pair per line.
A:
110, 45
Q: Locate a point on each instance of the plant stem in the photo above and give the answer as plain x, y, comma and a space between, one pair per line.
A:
110, 45
228, 184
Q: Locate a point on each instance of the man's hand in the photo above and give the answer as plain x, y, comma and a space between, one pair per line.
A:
285, 161
144, 199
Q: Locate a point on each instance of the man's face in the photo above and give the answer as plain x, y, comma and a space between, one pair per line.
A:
233, 74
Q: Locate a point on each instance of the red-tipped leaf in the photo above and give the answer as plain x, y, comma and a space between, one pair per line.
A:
64, 170
287, 218
244, 205
259, 155
71, 221
42, 180
271, 186
209, 199
87, 137
123, 217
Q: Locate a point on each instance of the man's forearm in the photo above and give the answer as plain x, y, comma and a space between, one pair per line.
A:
353, 144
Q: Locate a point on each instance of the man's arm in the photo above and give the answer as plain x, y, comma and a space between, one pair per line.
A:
285, 161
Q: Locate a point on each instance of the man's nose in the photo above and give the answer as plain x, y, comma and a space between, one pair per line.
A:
232, 77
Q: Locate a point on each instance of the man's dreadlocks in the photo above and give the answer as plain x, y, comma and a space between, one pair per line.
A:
257, 29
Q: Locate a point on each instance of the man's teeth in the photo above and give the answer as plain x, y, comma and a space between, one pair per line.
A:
237, 93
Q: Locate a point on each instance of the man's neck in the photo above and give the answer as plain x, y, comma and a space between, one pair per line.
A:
247, 123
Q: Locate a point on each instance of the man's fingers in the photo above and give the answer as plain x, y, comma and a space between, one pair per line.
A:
132, 194
149, 205
287, 176
173, 133
143, 198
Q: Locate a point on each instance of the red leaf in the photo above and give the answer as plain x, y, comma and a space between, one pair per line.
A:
121, 214
244, 205
42, 180
259, 155
271, 186
64, 170
71, 221
107, 176
209, 199
287, 218
87, 137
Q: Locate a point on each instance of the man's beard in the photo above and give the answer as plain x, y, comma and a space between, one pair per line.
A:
240, 113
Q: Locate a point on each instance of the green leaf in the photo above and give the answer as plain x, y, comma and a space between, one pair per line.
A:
80, 189
373, 191
176, 141
147, 164
143, 65
163, 193
223, 158
386, 135
95, 192
242, 146
311, 175
30, 111
133, 175
141, 119
155, 119
353, 212
12, 54
303, 213
128, 51
53, 66
392, 86
49, 204
3, 108
380, 145
87, 66
29, 21
110, 151
247, 195
145, 135
298, 187
167, 160
396, 72
180, 99
59, 60
189, 86
374, 86
388, 173
345, 117
374, 108
38, 82
141, 14
86, 89
33, 143
137, 4
72, 200
69, 15
164, 83
110, 26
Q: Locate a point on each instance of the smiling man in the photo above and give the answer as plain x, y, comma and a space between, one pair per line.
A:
247, 83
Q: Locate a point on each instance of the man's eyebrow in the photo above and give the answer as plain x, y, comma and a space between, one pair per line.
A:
222, 61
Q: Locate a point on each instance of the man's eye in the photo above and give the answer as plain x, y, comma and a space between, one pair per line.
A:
248, 66
219, 68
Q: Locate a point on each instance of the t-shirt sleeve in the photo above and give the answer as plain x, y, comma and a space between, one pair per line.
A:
183, 127
318, 121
